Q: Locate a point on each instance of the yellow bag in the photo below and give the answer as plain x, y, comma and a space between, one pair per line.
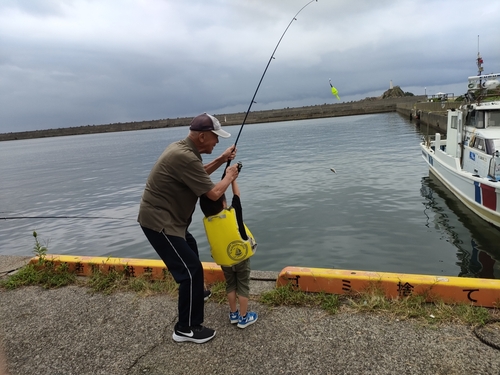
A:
226, 245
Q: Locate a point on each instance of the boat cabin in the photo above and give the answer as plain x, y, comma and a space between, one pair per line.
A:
483, 118
480, 154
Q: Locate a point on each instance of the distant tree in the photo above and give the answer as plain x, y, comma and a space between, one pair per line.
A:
408, 93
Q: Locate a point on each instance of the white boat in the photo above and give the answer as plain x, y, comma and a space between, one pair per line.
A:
467, 162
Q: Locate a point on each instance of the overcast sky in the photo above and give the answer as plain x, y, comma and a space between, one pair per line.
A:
68, 63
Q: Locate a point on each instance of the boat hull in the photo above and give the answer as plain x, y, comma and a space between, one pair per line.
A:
480, 195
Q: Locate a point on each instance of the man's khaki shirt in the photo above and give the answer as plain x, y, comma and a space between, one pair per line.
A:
174, 184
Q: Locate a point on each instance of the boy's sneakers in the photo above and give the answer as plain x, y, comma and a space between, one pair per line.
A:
250, 318
206, 295
234, 317
197, 334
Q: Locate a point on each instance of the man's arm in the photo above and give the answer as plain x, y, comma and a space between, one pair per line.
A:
227, 155
221, 187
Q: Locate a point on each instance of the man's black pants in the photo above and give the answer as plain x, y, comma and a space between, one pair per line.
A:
182, 260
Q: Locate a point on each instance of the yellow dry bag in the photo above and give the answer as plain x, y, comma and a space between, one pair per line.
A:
226, 245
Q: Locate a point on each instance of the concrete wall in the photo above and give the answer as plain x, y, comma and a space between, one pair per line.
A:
361, 107
433, 115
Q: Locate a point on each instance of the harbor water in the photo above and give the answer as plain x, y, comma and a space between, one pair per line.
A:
347, 192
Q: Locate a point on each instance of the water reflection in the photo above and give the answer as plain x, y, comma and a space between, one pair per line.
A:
477, 242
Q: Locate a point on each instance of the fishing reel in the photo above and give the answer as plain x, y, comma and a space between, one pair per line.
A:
239, 166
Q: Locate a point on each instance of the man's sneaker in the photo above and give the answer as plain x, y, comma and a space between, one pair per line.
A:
250, 318
234, 317
197, 334
206, 295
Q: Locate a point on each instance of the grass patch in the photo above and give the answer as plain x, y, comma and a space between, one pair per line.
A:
113, 281
48, 275
287, 296
219, 294
43, 273
373, 300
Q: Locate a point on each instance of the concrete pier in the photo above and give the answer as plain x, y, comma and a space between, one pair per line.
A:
70, 330
432, 115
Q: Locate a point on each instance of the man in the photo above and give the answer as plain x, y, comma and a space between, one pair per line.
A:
174, 184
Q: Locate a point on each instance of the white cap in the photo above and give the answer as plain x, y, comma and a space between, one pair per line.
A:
202, 123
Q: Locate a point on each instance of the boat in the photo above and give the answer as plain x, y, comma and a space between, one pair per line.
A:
467, 162
476, 241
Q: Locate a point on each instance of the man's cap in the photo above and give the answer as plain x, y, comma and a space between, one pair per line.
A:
206, 122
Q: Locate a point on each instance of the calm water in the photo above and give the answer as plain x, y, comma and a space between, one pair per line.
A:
381, 211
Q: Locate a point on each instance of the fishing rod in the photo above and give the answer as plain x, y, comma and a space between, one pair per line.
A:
261, 78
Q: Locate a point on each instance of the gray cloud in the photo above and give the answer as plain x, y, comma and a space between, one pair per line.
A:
93, 62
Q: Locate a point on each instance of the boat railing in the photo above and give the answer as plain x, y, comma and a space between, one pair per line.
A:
429, 139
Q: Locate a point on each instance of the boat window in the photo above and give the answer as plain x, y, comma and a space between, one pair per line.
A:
476, 119
472, 140
494, 119
479, 144
468, 118
454, 121
479, 119
490, 146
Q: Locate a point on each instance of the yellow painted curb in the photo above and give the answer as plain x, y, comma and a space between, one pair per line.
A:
478, 292
155, 269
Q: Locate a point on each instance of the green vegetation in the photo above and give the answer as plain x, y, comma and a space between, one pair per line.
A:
113, 281
373, 300
46, 274
370, 300
287, 296
43, 273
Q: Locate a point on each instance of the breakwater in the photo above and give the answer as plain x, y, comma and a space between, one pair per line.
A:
366, 106
433, 115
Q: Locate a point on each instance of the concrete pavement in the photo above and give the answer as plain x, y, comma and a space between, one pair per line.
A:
73, 331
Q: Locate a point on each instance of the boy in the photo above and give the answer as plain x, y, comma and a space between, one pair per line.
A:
237, 276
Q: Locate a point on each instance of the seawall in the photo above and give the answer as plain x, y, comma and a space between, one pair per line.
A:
430, 114
367, 106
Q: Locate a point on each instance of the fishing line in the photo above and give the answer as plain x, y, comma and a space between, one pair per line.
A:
228, 162
61, 217
261, 78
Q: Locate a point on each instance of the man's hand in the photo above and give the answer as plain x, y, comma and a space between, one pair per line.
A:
230, 175
229, 154
232, 172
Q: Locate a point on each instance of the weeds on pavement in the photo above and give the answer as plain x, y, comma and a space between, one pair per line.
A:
43, 272
373, 300
113, 281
